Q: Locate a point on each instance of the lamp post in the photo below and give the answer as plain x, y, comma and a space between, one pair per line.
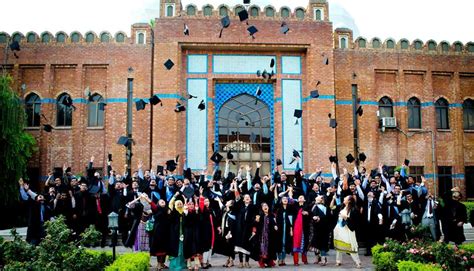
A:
113, 225
128, 155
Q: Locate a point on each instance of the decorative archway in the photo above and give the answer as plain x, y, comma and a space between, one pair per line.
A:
244, 124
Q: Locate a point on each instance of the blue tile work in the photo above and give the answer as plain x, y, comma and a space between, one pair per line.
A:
226, 91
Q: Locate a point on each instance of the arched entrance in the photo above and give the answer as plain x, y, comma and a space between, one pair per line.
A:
244, 126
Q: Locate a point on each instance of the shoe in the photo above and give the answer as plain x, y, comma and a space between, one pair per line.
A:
230, 264
247, 265
318, 259
338, 264
226, 263
324, 261
359, 266
241, 265
304, 258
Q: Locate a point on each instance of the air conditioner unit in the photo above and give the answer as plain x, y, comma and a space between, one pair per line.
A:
389, 122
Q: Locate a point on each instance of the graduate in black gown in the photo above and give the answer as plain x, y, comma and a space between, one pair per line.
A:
266, 231
159, 238
245, 217
320, 219
284, 236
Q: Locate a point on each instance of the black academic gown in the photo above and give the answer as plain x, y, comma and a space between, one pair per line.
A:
175, 231
206, 229
223, 245
320, 228
191, 245
35, 231
270, 237
136, 214
159, 239
453, 213
245, 217
284, 217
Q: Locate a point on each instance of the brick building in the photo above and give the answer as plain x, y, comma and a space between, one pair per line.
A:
427, 89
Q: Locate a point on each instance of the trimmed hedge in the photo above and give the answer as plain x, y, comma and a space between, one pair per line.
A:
467, 247
100, 258
469, 206
383, 261
139, 261
412, 266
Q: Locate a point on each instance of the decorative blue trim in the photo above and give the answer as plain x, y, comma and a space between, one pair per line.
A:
401, 103
460, 176
321, 97
245, 56
455, 105
291, 73
116, 100
283, 126
187, 64
427, 104
79, 101
343, 102
187, 123
48, 101
226, 91
369, 103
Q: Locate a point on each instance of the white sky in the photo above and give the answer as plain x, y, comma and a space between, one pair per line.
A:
425, 19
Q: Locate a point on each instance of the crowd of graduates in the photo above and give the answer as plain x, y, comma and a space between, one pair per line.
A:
184, 220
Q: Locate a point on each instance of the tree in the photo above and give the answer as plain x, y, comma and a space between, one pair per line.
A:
16, 145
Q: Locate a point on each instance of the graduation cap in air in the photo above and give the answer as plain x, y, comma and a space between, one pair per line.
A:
188, 192
88, 94
406, 162
252, 30
272, 63
325, 60
67, 101
201, 105
373, 173
350, 159
297, 114
332, 122
314, 94
230, 156
296, 154
101, 106
48, 128
191, 96
360, 111
216, 157
109, 157
154, 100
259, 73
265, 75
171, 165
243, 15
15, 46
179, 108
279, 163
186, 30
258, 92
225, 23
140, 104
159, 169
246, 2
169, 64
284, 28
333, 159
362, 157
124, 140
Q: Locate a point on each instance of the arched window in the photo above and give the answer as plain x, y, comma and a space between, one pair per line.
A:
105, 37
64, 110
45, 38
3, 38
414, 113
300, 13
285, 13
96, 112
191, 10
90, 38
223, 11
60, 37
207, 11
431, 46
458, 47
269, 12
343, 43
468, 114
362, 43
120, 37
75, 37
238, 9
254, 12
319, 16
169, 11
141, 38
17, 37
385, 107
470, 47
31, 38
418, 45
33, 110
444, 46
375, 43
404, 44
390, 44
442, 114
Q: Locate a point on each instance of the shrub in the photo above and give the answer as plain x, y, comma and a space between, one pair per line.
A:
412, 266
383, 260
131, 262
468, 247
469, 206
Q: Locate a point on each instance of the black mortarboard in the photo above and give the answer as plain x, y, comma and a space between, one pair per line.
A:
154, 100
186, 30
265, 75
88, 94
123, 140
230, 156
279, 162
216, 157
67, 101
314, 94
297, 114
252, 30
101, 106
171, 165
48, 128
326, 60
333, 159
258, 91
272, 63
201, 105
225, 22
179, 108
284, 28
188, 192
259, 73
169, 64
140, 104
109, 157
360, 111
159, 169
243, 15
296, 153
332, 123
362, 157
349, 158
191, 96
373, 173
246, 2
15, 46
406, 162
